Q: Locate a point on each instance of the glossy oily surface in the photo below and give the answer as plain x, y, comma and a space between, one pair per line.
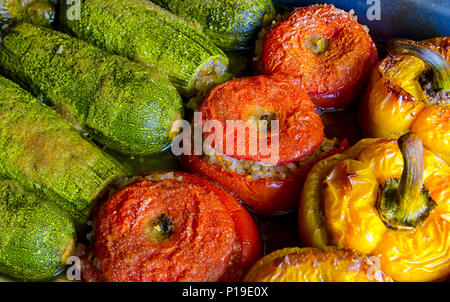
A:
175, 227
314, 265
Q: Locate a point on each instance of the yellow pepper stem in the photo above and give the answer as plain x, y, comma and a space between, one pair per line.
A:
439, 65
405, 203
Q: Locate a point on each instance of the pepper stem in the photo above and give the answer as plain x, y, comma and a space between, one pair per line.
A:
438, 64
405, 203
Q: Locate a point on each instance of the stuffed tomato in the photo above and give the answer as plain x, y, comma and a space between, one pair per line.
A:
326, 48
270, 188
173, 226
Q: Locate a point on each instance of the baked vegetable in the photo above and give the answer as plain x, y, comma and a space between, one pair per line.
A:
36, 237
314, 265
384, 198
169, 226
269, 179
48, 155
267, 190
410, 91
256, 102
146, 33
39, 12
326, 48
123, 105
228, 24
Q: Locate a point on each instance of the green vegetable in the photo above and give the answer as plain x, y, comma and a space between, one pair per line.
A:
230, 24
39, 12
123, 105
36, 237
47, 154
145, 33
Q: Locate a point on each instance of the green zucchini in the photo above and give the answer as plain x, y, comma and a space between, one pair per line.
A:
230, 24
125, 106
36, 237
47, 154
145, 33
39, 12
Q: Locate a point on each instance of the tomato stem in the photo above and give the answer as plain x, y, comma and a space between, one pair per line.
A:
405, 203
438, 64
317, 44
162, 227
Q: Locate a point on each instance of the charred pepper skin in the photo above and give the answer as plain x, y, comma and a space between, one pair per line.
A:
401, 98
123, 105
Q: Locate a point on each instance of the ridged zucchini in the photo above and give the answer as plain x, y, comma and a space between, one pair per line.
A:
123, 105
36, 237
144, 32
39, 12
47, 154
230, 24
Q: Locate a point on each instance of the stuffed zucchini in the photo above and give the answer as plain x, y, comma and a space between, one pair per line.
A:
228, 24
46, 154
36, 237
123, 105
146, 33
39, 12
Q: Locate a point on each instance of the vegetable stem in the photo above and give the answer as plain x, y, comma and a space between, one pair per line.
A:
438, 64
403, 204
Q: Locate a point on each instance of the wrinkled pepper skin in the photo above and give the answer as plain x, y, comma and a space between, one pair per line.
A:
324, 47
46, 154
123, 105
205, 235
395, 102
145, 33
337, 207
263, 196
314, 265
38, 12
230, 24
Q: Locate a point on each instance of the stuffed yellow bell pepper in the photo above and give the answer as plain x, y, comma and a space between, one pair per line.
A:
410, 91
385, 198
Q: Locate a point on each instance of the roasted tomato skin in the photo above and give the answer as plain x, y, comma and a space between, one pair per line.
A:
277, 97
263, 196
122, 237
344, 65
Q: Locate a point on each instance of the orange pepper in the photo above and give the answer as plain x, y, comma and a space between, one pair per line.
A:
340, 205
398, 100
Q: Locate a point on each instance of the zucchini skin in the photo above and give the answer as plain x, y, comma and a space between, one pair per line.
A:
36, 237
45, 153
125, 106
230, 24
144, 32
39, 12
